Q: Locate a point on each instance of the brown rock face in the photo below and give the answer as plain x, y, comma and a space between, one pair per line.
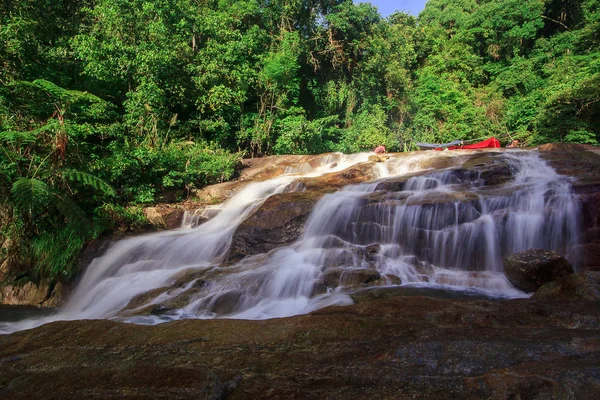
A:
277, 222
280, 219
579, 161
530, 269
585, 286
394, 348
164, 217
42, 295
261, 169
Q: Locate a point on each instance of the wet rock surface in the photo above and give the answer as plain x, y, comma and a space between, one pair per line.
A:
349, 277
530, 269
582, 163
393, 343
584, 286
576, 160
261, 169
278, 221
391, 348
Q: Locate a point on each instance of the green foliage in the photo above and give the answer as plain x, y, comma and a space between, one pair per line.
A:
297, 135
143, 173
108, 104
89, 180
368, 130
54, 254
581, 136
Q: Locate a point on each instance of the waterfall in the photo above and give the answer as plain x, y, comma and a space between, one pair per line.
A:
410, 226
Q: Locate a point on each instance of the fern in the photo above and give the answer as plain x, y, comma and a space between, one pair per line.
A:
89, 180
59, 92
44, 85
49, 126
76, 217
32, 194
17, 137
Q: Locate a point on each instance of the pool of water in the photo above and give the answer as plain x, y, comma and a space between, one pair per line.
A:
19, 313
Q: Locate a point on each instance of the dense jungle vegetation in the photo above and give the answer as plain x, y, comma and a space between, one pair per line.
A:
105, 104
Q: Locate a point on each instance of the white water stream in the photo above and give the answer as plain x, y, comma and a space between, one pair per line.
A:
408, 235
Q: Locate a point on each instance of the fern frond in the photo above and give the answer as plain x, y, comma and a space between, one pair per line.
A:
42, 84
77, 218
50, 88
50, 125
59, 92
89, 180
17, 137
29, 194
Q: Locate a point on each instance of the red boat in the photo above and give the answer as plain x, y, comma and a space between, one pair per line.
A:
491, 143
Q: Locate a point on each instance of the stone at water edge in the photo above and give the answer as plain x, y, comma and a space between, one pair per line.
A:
585, 286
164, 217
378, 158
530, 269
349, 277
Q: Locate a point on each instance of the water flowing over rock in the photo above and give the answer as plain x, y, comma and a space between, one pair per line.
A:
530, 269
307, 233
279, 222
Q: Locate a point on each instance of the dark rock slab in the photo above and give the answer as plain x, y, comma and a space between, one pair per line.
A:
584, 286
394, 348
587, 256
278, 221
579, 161
530, 269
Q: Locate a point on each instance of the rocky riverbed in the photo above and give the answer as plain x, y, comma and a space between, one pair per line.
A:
383, 347
394, 342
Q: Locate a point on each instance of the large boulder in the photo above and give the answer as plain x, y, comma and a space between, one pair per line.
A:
530, 269
164, 216
584, 286
277, 222
42, 295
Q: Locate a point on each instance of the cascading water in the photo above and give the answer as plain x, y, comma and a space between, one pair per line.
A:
409, 226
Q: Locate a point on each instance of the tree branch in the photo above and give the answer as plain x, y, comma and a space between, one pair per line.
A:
558, 22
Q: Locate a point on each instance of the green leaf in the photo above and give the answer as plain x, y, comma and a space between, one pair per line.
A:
29, 194
32, 194
89, 180
17, 137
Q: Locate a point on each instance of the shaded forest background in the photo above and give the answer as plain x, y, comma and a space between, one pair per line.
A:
109, 104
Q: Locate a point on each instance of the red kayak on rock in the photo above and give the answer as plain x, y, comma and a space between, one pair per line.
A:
491, 143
